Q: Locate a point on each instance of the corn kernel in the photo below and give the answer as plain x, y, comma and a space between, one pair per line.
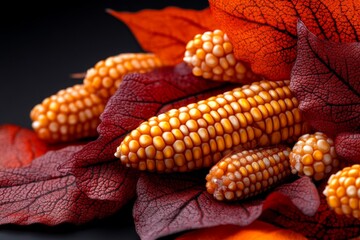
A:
227, 182
311, 156
211, 56
342, 193
225, 131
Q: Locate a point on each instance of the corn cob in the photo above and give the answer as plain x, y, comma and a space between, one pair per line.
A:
74, 113
248, 173
105, 77
200, 134
68, 115
211, 56
314, 156
343, 191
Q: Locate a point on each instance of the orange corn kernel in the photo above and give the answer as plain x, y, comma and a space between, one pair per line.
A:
314, 156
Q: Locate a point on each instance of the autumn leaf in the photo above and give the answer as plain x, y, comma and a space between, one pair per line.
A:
347, 146
325, 224
325, 80
256, 230
140, 96
166, 32
39, 193
19, 146
264, 32
167, 204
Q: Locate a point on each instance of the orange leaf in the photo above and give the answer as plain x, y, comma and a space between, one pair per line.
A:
166, 32
264, 32
256, 230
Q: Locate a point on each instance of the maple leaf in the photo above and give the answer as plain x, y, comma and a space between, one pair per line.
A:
167, 204
166, 32
325, 224
347, 146
264, 32
39, 193
140, 96
256, 230
325, 80
19, 146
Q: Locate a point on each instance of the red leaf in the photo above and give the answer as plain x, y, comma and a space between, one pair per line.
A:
264, 32
39, 193
166, 32
140, 96
325, 224
19, 146
325, 79
347, 146
168, 204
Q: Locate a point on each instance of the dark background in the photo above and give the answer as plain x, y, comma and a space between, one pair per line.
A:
41, 45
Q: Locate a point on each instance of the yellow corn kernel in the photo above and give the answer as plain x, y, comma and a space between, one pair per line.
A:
314, 155
211, 56
105, 77
68, 115
222, 134
343, 191
264, 168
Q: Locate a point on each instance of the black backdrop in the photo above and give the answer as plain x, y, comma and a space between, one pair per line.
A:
41, 44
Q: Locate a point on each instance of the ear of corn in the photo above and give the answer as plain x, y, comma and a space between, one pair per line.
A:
248, 173
314, 155
73, 113
105, 77
343, 191
200, 134
68, 115
211, 56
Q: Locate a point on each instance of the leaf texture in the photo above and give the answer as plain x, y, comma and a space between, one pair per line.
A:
325, 224
347, 147
325, 79
167, 204
264, 32
166, 32
39, 193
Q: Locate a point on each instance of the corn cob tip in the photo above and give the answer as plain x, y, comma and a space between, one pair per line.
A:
68, 115
343, 191
211, 56
314, 156
105, 77
248, 173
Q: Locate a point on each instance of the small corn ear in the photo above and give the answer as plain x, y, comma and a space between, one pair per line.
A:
343, 191
73, 113
314, 156
211, 56
105, 77
248, 173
